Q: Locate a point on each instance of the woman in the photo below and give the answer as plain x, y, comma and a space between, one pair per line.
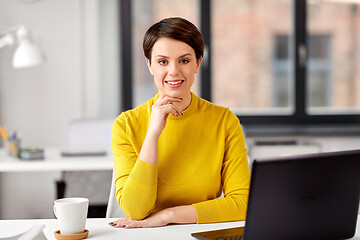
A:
176, 153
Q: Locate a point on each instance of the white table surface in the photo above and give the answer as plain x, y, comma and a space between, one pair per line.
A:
55, 162
99, 229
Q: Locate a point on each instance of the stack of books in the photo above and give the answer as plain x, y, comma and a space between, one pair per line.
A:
31, 153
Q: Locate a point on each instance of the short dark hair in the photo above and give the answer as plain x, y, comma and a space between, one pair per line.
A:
175, 28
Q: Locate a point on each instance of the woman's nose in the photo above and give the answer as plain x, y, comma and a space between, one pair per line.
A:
173, 70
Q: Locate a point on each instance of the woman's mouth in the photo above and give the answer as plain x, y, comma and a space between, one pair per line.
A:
174, 83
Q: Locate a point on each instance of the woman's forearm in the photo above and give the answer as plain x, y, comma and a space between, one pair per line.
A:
182, 214
149, 149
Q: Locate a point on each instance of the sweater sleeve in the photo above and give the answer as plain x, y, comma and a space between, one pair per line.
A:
235, 177
135, 180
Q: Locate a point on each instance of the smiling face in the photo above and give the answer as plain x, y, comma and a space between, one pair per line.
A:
173, 65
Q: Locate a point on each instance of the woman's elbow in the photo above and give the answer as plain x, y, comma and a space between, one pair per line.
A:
134, 211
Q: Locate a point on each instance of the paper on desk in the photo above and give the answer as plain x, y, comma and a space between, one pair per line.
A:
34, 233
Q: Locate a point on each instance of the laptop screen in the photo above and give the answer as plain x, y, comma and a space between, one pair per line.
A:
314, 196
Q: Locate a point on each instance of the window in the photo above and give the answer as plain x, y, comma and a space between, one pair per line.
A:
334, 51
283, 81
271, 62
319, 88
245, 76
319, 72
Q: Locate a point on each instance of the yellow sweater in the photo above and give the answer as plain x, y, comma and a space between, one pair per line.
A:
201, 154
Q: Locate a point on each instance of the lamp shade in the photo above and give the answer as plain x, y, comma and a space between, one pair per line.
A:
27, 55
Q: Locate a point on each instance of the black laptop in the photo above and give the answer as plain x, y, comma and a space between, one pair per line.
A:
313, 196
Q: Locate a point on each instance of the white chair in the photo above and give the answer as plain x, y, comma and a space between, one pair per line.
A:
113, 209
89, 134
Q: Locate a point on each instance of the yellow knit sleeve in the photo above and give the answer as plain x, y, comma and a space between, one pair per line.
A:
135, 180
235, 180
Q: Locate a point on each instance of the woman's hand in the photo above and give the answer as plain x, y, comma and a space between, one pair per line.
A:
181, 214
158, 219
160, 112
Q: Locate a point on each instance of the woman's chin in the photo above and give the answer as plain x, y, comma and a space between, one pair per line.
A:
174, 94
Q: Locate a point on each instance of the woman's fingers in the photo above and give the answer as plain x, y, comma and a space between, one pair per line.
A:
166, 100
169, 108
166, 106
128, 223
160, 112
136, 224
120, 222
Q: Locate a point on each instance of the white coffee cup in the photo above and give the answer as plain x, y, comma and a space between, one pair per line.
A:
71, 214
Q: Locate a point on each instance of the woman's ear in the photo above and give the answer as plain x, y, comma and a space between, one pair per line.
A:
198, 65
149, 66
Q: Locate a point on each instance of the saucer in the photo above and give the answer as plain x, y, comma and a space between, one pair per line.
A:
77, 236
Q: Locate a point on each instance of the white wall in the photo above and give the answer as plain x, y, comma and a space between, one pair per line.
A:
80, 78
77, 80
110, 86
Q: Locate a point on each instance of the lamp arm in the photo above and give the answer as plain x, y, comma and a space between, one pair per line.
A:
5, 29
8, 40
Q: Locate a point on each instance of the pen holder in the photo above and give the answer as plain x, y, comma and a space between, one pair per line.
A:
13, 147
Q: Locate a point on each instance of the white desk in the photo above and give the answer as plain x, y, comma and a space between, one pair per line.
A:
99, 229
55, 162
51, 168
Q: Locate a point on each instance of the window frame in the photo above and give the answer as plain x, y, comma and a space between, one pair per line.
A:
299, 116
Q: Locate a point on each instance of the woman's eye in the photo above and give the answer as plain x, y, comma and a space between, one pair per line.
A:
162, 62
184, 61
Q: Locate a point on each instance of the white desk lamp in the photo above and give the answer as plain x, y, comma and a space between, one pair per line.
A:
27, 54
